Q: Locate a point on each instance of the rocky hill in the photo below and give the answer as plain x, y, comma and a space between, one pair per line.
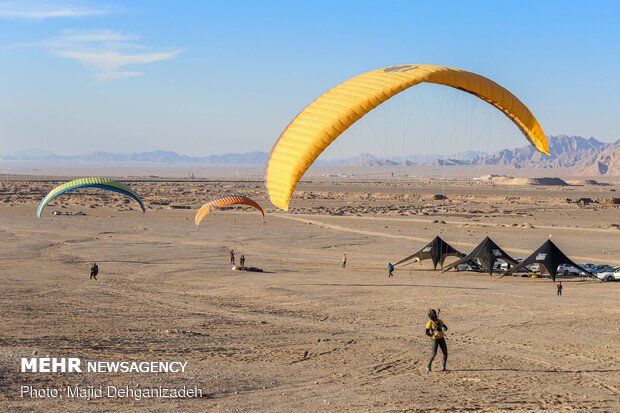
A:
585, 156
605, 162
566, 151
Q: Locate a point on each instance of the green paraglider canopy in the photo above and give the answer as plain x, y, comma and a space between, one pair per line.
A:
92, 182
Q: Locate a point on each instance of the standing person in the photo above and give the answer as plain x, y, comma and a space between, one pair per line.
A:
232, 257
435, 330
94, 270
242, 260
344, 261
559, 287
390, 268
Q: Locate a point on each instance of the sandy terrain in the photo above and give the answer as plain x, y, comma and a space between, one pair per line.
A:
306, 335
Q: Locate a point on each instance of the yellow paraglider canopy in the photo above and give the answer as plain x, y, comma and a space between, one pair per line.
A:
321, 122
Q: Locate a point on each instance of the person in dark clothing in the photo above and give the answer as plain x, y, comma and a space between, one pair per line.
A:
344, 261
242, 260
559, 287
435, 330
390, 268
94, 270
232, 257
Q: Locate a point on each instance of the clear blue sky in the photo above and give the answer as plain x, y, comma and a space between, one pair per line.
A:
228, 76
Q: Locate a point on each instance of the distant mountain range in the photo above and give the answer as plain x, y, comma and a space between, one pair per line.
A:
367, 159
585, 156
158, 157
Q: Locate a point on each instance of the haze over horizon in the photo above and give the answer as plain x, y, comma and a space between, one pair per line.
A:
218, 77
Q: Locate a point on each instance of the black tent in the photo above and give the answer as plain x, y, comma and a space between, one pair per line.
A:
437, 250
549, 257
487, 252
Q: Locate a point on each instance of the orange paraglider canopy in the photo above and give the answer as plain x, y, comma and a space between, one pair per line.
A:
225, 201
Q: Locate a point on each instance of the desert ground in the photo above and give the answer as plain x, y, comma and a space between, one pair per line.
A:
306, 335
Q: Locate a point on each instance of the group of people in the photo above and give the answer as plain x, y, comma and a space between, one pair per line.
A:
241, 259
435, 327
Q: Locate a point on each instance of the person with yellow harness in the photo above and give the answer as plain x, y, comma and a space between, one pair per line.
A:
435, 330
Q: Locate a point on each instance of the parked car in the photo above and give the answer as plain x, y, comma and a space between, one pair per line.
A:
469, 266
603, 268
596, 268
612, 275
535, 267
502, 265
566, 269
592, 268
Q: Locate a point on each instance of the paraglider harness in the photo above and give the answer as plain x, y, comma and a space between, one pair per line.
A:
437, 325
